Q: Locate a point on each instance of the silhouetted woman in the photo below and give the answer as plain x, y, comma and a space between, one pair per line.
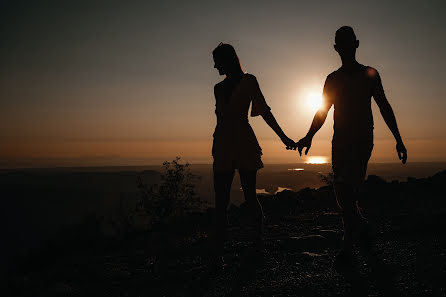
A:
235, 145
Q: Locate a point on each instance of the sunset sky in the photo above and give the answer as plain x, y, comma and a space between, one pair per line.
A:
131, 82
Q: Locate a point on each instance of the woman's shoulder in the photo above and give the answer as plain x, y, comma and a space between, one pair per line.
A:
219, 85
249, 76
251, 80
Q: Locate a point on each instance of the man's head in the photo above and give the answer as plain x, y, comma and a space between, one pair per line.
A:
346, 42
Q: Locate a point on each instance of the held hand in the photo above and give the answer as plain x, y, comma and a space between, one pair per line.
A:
402, 152
289, 143
304, 142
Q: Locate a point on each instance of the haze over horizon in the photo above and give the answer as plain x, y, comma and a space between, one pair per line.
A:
113, 83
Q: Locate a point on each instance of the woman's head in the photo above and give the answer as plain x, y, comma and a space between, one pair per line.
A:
225, 59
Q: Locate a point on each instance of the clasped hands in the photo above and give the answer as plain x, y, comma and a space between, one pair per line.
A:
306, 143
300, 145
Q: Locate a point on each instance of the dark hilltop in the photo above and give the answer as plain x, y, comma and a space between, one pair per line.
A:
302, 236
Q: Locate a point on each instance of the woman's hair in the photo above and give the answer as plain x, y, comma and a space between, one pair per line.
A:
226, 53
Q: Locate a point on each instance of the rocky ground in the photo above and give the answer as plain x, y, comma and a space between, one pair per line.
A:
302, 236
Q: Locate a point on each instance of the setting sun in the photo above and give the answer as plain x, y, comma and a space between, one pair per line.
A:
313, 101
310, 98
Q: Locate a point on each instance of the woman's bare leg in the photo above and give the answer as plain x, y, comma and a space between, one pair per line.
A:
222, 187
248, 181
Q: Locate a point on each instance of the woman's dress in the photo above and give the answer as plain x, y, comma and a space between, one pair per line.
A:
235, 145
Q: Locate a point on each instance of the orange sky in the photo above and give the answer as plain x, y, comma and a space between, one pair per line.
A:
132, 84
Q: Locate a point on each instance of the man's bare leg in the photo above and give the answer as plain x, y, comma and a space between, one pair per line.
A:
352, 219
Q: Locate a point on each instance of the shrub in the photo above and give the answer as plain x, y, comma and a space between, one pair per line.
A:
174, 197
328, 178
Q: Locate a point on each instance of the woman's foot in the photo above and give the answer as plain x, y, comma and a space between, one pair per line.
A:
346, 259
216, 264
366, 235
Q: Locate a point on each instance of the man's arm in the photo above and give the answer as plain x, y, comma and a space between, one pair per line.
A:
318, 120
388, 116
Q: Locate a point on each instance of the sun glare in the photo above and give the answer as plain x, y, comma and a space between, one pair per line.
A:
316, 160
313, 101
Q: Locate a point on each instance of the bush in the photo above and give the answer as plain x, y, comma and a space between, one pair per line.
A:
328, 178
174, 197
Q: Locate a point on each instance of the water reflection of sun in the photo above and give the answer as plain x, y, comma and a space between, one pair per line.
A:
317, 160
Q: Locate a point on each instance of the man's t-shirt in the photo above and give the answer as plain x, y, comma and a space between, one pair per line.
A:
350, 92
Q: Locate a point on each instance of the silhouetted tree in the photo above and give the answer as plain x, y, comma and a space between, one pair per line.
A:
175, 196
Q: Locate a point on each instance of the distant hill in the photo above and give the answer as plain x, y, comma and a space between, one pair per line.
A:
37, 204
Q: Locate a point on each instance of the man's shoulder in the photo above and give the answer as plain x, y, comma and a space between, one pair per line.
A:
372, 72
332, 76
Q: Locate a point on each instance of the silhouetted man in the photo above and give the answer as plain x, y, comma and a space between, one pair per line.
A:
350, 89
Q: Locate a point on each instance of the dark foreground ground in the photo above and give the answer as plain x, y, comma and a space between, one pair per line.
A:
302, 237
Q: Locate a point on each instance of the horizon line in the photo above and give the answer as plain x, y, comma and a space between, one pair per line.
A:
193, 164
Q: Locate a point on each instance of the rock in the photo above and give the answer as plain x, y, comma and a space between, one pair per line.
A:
311, 255
302, 242
331, 234
61, 289
328, 218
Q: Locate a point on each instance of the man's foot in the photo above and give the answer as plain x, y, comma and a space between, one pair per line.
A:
345, 260
254, 255
258, 243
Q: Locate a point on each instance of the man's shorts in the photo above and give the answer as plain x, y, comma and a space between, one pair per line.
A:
349, 162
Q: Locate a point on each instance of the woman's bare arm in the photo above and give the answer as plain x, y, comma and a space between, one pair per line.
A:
271, 121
